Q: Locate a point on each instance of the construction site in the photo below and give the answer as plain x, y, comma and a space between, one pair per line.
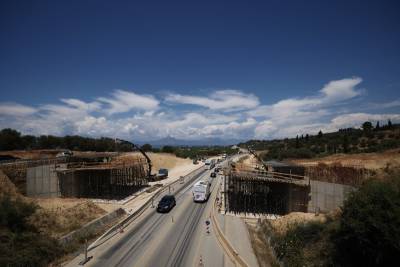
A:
256, 187
103, 180
91, 176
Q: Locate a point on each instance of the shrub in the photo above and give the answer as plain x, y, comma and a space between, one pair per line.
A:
289, 247
369, 231
20, 242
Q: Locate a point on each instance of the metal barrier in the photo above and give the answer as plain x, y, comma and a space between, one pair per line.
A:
132, 217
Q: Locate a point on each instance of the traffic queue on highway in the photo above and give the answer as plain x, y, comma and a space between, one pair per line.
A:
201, 190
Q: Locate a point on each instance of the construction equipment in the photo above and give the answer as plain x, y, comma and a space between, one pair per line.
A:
257, 157
143, 153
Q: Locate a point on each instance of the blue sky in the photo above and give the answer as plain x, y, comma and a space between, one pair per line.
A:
197, 69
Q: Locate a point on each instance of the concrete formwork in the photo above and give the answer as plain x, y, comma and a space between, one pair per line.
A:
107, 183
326, 196
42, 181
264, 195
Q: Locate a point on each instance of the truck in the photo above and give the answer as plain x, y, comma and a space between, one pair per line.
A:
201, 191
162, 173
210, 163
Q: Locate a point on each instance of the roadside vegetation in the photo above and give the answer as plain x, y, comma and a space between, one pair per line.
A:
22, 244
13, 140
367, 139
198, 152
365, 232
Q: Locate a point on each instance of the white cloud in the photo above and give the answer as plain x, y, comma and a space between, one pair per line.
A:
219, 100
124, 101
15, 109
223, 114
356, 119
293, 116
81, 105
340, 90
391, 104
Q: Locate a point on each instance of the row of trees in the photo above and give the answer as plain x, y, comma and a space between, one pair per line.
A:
11, 140
366, 139
191, 152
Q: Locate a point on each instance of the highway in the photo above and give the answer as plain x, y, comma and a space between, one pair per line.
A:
177, 238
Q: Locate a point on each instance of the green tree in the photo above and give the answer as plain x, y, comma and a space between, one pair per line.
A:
320, 134
345, 143
377, 126
367, 126
369, 230
390, 124
168, 149
10, 139
147, 147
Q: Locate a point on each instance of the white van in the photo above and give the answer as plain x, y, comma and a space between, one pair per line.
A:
201, 191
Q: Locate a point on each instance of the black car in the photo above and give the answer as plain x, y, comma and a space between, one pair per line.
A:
213, 175
166, 203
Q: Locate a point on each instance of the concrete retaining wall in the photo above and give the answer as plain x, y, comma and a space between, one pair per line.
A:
327, 196
42, 181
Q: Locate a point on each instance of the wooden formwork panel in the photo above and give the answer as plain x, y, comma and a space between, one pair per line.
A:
107, 183
257, 196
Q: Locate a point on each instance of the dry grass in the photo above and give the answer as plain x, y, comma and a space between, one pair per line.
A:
32, 154
159, 160
282, 224
51, 153
7, 188
260, 246
373, 161
56, 216
61, 216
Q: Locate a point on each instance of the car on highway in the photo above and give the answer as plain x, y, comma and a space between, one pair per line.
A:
213, 175
201, 191
166, 203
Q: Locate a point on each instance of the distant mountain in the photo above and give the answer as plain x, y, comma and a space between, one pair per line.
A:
171, 141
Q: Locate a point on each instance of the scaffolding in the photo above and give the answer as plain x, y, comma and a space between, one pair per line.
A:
103, 180
265, 192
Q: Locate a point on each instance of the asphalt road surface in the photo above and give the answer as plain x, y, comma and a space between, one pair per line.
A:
177, 238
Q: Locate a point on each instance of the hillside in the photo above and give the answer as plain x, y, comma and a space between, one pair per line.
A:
367, 139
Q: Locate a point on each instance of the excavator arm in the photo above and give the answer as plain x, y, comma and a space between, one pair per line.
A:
257, 157
141, 151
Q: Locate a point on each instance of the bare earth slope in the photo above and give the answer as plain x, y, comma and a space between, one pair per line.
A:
375, 161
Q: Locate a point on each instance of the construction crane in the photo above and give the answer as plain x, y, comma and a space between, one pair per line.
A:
149, 164
257, 157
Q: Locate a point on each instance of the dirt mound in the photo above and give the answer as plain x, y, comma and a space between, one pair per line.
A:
165, 160
61, 216
158, 160
281, 224
7, 187
32, 154
127, 158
